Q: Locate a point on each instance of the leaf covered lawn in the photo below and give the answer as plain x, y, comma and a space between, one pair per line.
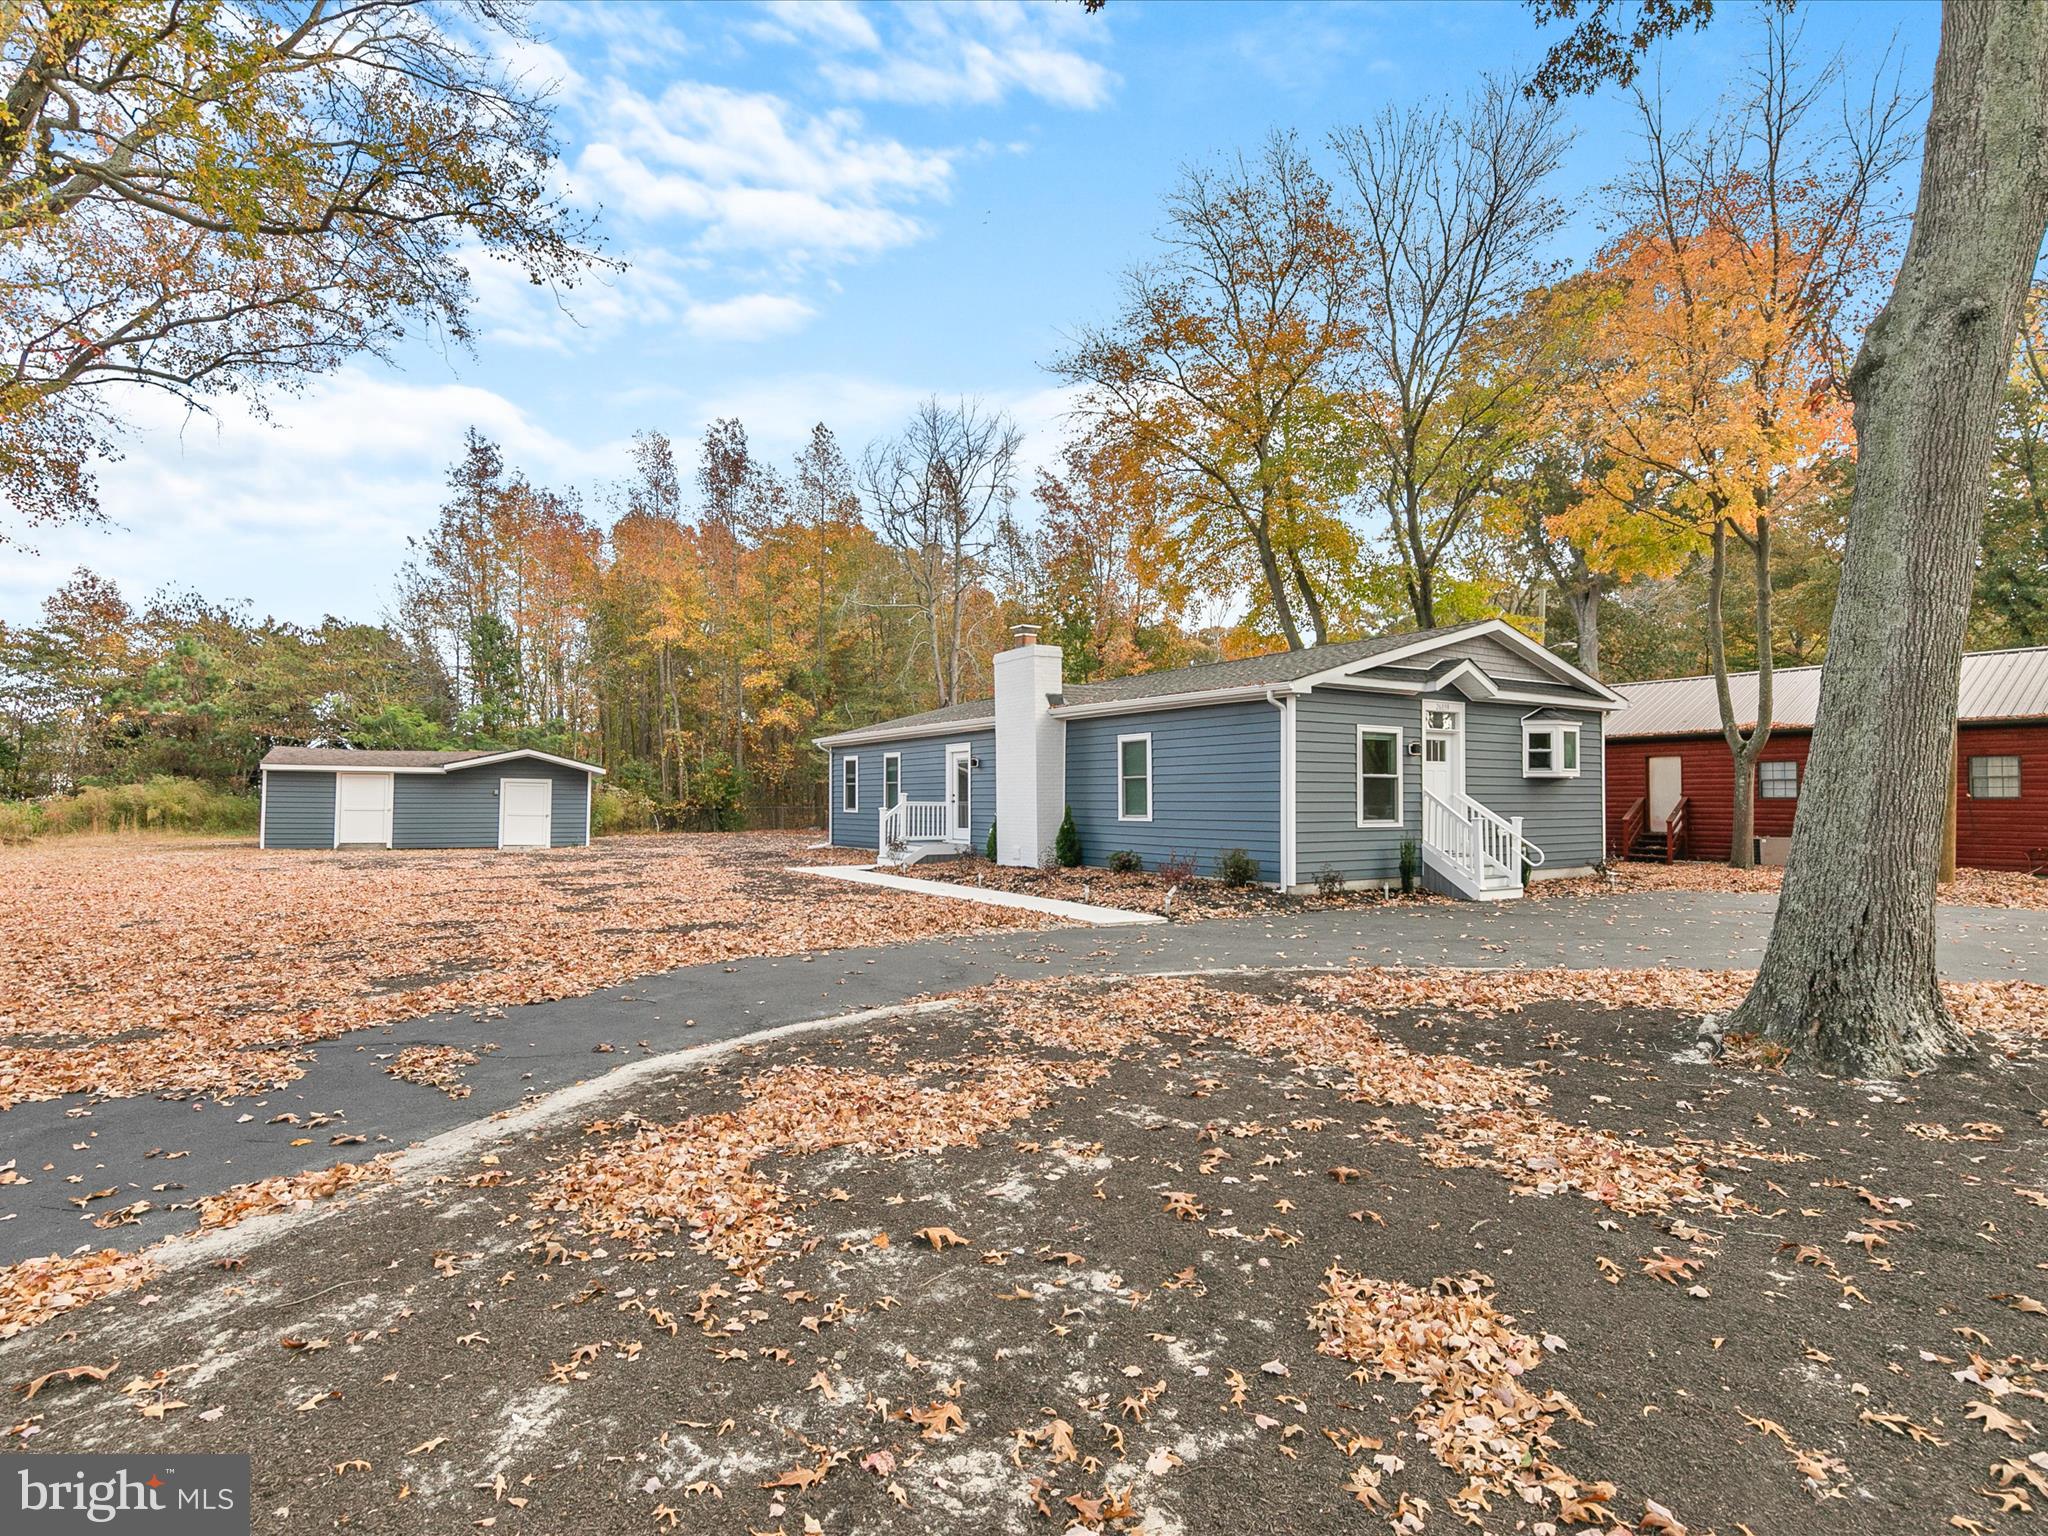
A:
136, 966
1355, 1251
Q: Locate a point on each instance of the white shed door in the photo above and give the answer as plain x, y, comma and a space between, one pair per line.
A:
526, 812
362, 808
1667, 788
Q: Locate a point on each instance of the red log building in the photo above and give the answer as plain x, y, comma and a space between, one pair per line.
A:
1671, 781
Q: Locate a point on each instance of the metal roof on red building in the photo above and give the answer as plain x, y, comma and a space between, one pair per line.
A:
1996, 685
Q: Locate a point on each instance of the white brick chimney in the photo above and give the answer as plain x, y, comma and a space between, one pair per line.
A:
1031, 750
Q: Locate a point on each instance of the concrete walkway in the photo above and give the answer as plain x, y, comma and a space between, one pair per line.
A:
549, 1045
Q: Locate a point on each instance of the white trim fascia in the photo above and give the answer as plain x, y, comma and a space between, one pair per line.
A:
1590, 706
589, 794
1399, 733
262, 808
1498, 628
466, 763
870, 736
1290, 857
1153, 704
1145, 737
550, 783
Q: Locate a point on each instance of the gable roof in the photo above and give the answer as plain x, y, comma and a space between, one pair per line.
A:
406, 761
1248, 676
1995, 685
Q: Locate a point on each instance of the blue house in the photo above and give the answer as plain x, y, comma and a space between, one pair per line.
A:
1472, 742
341, 797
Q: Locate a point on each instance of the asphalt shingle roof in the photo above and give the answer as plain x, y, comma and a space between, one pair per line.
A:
1210, 677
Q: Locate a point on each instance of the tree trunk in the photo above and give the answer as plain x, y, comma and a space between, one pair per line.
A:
1585, 605
1948, 815
1849, 975
1743, 750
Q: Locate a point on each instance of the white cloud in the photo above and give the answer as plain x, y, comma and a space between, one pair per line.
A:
822, 23
949, 55
304, 515
749, 317
755, 174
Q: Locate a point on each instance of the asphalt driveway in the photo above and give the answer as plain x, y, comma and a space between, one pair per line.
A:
66, 1149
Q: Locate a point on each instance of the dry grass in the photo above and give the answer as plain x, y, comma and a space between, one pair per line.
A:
134, 966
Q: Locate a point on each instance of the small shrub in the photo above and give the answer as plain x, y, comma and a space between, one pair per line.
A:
1125, 862
1177, 868
1411, 865
20, 820
159, 804
1066, 847
623, 810
990, 851
1526, 872
1329, 881
1236, 867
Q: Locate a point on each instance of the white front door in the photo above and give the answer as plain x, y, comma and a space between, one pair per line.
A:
959, 792
1667, 787
526, 812
362, 809
1443, 750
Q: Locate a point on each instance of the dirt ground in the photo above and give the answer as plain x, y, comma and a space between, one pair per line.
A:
173, 966
1971, 887
1145, 891
1277, 1252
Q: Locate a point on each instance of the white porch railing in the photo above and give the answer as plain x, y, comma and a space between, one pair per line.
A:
1477, 849
913, 821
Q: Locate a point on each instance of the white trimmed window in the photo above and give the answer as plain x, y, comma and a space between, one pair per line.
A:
1777, 779
892, 779
849, 783
1134, 778
1550, 749
1379, 777
1994, 778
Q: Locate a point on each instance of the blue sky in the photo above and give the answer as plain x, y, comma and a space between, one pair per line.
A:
828, 211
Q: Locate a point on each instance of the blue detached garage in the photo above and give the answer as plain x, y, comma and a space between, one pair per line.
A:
338, 797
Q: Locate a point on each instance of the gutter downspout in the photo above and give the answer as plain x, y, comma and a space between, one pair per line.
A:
1285, 704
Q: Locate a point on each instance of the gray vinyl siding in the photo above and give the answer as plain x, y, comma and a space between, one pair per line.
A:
1561, 816
1495, 659
460, 809
1215, 785
1326, 829
924, 778
298, 810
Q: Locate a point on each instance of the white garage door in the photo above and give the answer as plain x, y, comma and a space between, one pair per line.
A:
526, 812
362, 809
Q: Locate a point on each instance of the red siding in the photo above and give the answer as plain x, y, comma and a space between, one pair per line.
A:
1990, 834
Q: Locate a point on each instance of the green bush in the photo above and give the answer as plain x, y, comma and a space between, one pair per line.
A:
1066, 847
1411, 864
1125, 862
160, 804
623, 810
990, 850
1234, 866
20, 820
